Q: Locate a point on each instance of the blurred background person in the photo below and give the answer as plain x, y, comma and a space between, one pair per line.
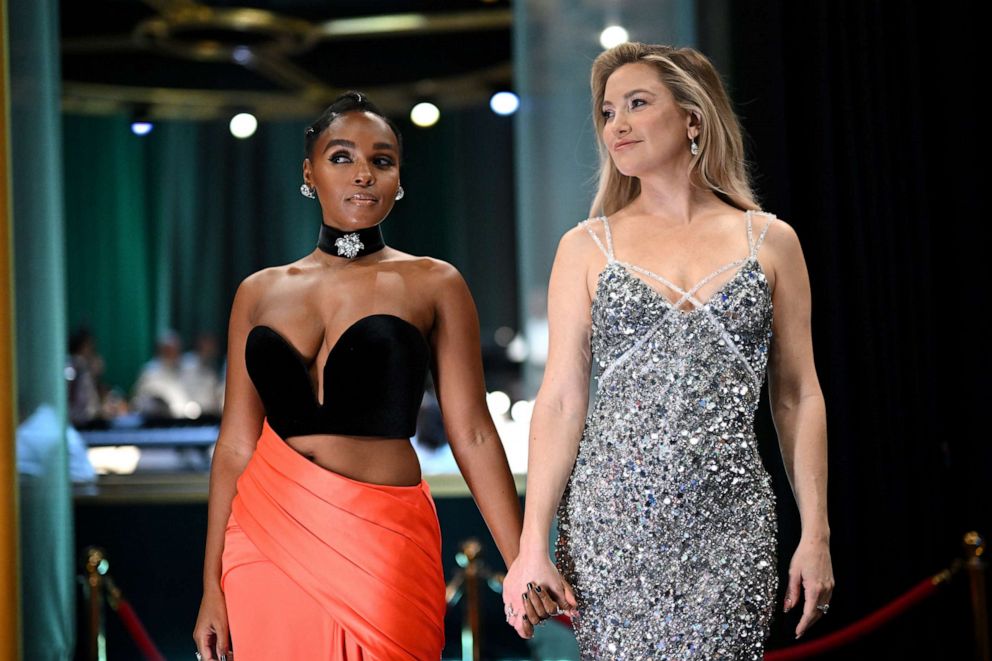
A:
160, 391
200, 376
83, 372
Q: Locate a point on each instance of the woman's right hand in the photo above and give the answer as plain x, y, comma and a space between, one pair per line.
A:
211, 633
534, 590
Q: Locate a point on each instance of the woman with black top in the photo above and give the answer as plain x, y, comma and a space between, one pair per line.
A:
323, 541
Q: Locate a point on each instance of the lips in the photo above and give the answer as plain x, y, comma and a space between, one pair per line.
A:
617, 146
363, 198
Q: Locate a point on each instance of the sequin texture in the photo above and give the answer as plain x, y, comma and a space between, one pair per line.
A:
667, 525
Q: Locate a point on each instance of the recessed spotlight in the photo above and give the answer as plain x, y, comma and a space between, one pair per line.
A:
612, 36
425, 114
504, 103
243, 125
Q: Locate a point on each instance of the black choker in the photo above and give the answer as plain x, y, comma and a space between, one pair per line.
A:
350, 244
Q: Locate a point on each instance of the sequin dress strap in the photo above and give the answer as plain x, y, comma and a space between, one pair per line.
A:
608, 248
754, 245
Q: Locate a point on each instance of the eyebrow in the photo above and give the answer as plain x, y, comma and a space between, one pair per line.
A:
632, 93
341, 142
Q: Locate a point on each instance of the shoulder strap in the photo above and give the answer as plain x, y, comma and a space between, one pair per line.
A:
608, 249
752, 244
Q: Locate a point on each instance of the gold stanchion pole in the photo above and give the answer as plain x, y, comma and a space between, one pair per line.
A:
974, 546
10, 626
96, 567
472, 549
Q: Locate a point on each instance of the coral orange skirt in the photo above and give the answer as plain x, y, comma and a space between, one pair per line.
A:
320, 566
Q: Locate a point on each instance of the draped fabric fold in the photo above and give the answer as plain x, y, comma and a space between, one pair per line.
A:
365, 560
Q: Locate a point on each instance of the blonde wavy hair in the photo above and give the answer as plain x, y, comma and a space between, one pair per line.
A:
719, 166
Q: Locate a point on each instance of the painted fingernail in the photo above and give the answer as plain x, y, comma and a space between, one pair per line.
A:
530, 586
524, 596
537, 589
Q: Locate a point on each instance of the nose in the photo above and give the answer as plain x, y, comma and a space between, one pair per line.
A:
620, 126
363, 175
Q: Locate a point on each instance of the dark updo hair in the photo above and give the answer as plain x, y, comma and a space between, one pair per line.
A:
350, 101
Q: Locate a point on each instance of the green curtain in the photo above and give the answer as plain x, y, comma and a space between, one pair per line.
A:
162, 228
47, 575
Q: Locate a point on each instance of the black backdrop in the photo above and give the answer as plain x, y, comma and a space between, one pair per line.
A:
863, 123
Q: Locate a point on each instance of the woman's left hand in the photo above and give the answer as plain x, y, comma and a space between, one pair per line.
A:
811, 570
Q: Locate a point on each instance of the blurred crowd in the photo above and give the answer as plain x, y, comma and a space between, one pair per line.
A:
177, 385
173, 384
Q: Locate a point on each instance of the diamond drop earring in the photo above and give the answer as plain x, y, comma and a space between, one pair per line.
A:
307, 191
694, 148
400, 193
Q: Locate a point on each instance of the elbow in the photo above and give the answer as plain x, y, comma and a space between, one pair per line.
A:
788, 397
562, 405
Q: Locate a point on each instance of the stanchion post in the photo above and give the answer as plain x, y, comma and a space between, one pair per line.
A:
96, 565
974, 546
472, 549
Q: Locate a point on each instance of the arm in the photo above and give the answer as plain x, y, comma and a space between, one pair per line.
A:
799, 413
555, 429
461, 394
239, 430
563, 398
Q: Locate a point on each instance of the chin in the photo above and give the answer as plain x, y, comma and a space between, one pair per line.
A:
630, 168
630, 172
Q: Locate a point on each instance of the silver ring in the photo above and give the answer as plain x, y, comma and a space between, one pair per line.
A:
199, 657
508, 610
823, 608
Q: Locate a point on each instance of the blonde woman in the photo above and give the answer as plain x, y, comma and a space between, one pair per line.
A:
683, 293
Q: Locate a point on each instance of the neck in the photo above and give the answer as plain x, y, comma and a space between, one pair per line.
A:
350, 245
677, 201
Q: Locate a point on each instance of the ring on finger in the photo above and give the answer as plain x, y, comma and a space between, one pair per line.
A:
823, 608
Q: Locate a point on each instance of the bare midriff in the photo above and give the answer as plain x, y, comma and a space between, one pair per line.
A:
375, 460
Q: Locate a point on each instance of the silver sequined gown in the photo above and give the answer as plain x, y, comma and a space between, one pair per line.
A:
667, 525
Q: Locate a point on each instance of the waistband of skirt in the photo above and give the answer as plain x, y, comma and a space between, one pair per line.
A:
272, 449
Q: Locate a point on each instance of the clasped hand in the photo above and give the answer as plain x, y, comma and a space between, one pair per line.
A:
533, 591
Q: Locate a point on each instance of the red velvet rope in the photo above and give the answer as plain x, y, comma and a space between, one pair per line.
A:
848, 634
137, 631
857, 629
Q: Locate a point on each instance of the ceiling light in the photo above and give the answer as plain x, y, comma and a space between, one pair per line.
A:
504, 103
612, 36
425, 114
243, 125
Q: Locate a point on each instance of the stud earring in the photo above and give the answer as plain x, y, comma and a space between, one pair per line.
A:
307, 191
694, 148
400, 193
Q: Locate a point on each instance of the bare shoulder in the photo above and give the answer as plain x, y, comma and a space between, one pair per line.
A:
252, 289
431, 270
780, 237
781, 248
578, 245
431, 274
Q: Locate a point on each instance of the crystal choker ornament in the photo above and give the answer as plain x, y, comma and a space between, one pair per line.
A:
350, 244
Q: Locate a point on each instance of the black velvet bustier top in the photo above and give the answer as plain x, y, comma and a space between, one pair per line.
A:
373, 380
